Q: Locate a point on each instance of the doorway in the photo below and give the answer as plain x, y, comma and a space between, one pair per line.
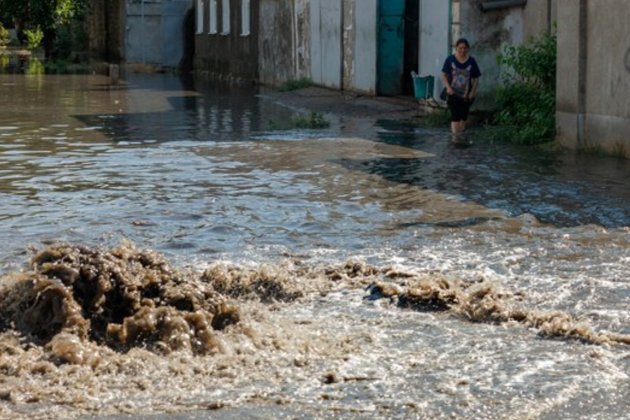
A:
398, 42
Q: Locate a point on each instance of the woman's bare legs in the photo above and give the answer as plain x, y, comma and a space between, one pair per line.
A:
458, 127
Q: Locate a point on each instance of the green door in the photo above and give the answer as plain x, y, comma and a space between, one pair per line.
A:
391, 46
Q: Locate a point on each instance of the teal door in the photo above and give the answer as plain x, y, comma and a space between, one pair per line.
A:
391, 46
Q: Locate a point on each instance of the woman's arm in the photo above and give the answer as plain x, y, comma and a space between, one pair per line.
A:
447, 85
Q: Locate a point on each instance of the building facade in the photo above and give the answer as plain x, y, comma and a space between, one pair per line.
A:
150, 32
367, 46
593, 75
226, 38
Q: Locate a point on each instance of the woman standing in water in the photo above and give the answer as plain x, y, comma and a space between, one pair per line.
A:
460, 75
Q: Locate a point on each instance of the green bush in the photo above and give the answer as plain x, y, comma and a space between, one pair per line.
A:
34, 38
4, 36
526, 99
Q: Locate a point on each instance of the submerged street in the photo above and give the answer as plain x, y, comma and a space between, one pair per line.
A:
210, 176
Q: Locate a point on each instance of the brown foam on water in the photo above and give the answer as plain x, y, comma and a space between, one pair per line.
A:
266, 283
93, 332
121, 298
74, 298
482, 302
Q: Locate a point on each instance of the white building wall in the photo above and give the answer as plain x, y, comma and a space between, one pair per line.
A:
434, 39
366, 40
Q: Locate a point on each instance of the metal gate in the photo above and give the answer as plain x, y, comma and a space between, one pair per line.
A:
391, 43
154, 31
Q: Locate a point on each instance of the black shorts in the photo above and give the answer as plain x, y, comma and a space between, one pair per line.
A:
459, 107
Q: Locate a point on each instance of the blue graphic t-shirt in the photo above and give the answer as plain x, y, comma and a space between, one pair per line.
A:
460, 74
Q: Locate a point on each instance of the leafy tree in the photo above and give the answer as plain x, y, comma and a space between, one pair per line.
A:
48, 15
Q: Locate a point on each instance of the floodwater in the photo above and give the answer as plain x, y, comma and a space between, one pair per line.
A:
168, 252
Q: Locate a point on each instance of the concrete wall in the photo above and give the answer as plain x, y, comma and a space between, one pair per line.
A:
593, 83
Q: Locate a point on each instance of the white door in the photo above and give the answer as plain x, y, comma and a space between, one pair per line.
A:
326, 21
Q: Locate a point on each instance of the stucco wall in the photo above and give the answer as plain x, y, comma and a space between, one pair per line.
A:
593, 83
539, 16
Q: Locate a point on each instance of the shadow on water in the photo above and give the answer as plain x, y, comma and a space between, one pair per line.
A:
557, 188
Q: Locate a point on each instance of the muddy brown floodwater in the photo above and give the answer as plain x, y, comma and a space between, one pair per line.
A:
169, 252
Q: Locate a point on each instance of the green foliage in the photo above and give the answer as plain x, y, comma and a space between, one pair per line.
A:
295, 84
34, 67
534, 63
4, 61
4, 36
526, 100
47, 14
34, 38
314, 121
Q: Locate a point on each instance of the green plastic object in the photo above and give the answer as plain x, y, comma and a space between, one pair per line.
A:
422, 85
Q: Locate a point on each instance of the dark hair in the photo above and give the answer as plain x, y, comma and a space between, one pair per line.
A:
462, 41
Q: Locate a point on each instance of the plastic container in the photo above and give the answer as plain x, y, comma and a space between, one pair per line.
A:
422, 85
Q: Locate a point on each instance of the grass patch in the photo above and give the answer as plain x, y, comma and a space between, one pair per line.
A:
313, 121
